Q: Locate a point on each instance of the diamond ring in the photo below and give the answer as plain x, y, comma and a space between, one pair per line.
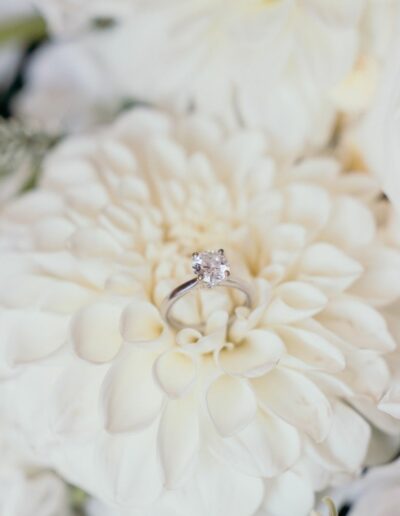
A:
212, 270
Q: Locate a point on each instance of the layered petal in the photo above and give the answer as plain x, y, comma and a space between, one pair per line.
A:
297, 400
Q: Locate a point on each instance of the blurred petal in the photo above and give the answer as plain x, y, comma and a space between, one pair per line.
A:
257, 450
231, 404
293, 302
257, 354
297, 400
175, 372
131, 400
95, 332
178, 440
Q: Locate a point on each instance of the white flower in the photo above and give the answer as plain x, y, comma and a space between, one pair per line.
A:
288, 390
377, 493
66, 90
70, 16
380, 132
27, 488
270, 65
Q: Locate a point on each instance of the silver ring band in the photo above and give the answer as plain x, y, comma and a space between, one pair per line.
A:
198, 282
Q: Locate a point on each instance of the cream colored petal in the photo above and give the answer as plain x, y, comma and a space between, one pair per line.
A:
297, 400
390, 403
380, 283
120, 158
383, 421
307, 204
95, 332
358, 324
346, 444
328, 268
285, 241
288, 494
31, 335
178, 440
52, 233
73, 408
231, 404
87, 200
215, 333
204, 494
167, 157
311, 349
293, 302
126, 466
366, 373
93, 242
351, 224
175, 372
131, 400
257, 450
258, 353
141, 322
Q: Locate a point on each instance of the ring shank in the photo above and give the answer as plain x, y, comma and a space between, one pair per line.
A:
192, 285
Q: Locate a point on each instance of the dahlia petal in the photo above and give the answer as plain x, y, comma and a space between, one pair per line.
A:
31, 335
307, 204
384, 421
286, 240
231, 404
95, 332
93, 243
366, 373
346, 444
52, 233
129, 467
311, 349
168, 157
120, 159
297, 400
204, 493
87, 200
380, 283
258, 353
141, 322
34, 206
351, 224
294, 301
390, 403
188, 338
73, 406
131, 400
178, 440
358, 324
328, 268
286, 495
175, 372
257, 449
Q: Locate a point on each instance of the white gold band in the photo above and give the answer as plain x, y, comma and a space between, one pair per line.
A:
190, 286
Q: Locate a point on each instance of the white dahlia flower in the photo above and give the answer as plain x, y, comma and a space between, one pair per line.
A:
26, 488
67, 17
379, 133
377, 492
264, 64
224, 421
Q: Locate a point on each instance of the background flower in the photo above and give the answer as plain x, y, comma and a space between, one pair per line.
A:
142, 416
285, 67
377, 492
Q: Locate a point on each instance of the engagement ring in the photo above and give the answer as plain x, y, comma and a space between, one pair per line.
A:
212, 270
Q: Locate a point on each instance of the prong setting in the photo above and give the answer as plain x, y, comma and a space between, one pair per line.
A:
210, 267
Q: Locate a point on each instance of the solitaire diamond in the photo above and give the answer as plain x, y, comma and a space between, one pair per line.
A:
210, 267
